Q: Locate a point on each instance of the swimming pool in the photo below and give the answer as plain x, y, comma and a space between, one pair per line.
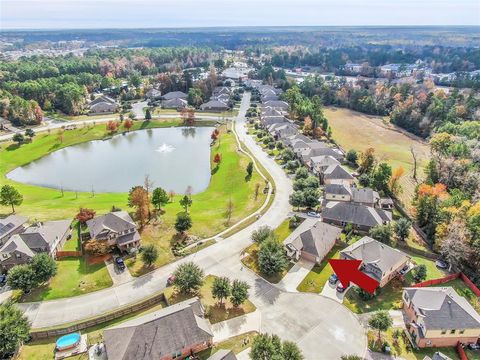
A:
68, 341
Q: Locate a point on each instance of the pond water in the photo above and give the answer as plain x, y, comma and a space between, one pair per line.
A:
174, 158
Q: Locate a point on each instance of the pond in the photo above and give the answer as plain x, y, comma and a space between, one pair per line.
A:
174, 158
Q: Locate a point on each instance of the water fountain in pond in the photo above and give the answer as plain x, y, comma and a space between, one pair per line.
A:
165, 148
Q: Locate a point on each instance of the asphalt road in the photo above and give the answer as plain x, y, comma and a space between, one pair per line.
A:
323, 328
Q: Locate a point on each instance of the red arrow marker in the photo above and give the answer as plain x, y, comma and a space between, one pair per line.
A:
348, 271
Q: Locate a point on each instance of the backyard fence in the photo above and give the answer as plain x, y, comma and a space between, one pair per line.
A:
461, 352
37, 334
448, 278
428, 255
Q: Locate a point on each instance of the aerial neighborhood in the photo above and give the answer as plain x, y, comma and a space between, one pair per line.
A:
219, 201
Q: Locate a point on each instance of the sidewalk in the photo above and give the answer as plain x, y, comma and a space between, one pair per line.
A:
236, 326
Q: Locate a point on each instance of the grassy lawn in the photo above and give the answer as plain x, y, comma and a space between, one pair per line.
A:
237, 344
401, 347
215, 311
354, 130
43, 349
74, 277
73, 244
250, 259
318, 276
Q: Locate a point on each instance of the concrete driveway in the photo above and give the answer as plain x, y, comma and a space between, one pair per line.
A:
331, 292
296, 274
118, 277
137, 109
237, 326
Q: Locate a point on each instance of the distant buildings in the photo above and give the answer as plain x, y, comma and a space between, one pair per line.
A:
102, 105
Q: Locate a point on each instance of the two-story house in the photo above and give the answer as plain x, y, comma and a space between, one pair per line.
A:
117, 228
11, 225
438, 316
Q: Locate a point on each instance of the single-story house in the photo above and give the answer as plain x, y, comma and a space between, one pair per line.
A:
279, 104
312, 240
379, 261
301, 146
174, 95
361, 217
282, 130
176, 331
223, 354
117, 228
175, 103
336, 174
153, 94
306, 155
268, 121
11, 225
439, 316
102, 105
214, 105
48, 237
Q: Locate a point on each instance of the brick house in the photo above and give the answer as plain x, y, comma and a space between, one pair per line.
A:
438, 316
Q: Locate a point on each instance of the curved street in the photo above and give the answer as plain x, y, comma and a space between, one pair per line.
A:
322, 327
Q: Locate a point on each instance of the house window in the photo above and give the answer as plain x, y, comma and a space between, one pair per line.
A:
444, 332
452, 331
462, 331
18, 256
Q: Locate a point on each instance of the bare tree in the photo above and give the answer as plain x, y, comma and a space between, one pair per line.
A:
414, 156
229, 211
454, 246
257, 189
148, 185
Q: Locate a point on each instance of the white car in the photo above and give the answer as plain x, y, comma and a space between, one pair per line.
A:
313, 214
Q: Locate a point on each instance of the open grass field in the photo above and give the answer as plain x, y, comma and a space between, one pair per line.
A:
354, 130
215, 311
74, 277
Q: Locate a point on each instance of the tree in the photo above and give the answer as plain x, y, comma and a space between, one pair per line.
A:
186, 202
160, 198
84, 215
112, 126
14, 329
454, 247
420, 273
394, 184
148, 114
402, 228
44, 267
229, 210
290, 351
18, 138
297, 199
127, 124
183, 222
380, 321
352, 156
217, 158
239, 293
9, 196
22, 277
382, 233
149, 254
367, 161
30, 133
188, 277
381, 177
138, 199
263, 233
271, 257
301, 173
97, 247
249, 169
271, 347
221, 288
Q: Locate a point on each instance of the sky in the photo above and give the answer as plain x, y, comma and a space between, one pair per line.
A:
69, 14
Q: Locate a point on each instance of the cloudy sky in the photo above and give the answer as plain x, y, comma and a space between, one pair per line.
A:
56, 14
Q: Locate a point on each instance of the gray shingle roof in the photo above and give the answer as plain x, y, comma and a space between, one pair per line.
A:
174, 94
223, 355
10, 224
365, 195
174, 103
337, 189
158, 334
326, 151
47, 233
337, 172
355, 213
15, 243
214, 104
118, 221
443, 308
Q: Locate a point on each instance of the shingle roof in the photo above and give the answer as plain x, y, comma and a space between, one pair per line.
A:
277, 104
337, 189
337, 172
325, 151
365, 195
355, 213
158, 334
443, 308
324, 160
314, 237
375, 254
223, 355
174, 103
15, 243
216, 104
47, 233
118, 221
10, 224
174, 94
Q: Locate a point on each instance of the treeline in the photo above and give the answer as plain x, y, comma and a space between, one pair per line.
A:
441, 59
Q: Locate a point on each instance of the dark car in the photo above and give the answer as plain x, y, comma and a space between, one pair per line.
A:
474, 346
120, 263
333, 279
340, 288
405, 269
441, 264
3, 280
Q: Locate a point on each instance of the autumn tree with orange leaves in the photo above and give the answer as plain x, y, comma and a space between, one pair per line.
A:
112, 126
394, 182
427, 204
127, 124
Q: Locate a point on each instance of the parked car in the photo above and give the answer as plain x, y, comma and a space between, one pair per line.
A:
404, 270
340, 288
333, 279
313, 214
441, 264
170, 280
3, 280
120, 263
474, 346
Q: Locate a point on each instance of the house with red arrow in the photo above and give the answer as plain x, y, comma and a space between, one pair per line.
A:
379, 261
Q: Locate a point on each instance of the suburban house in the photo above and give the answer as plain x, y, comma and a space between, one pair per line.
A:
153, 94
361, 217
174, 95
318, 164
223, 354
353, 68
283, 130
175, 103
117, 228
267, 111
343, 192
102, 105
379, 261
46, 237
268, 121
176, 331
301, 146
214, 105
11, 225
312, 240
438, 316
306, 155
336, 174
281, 105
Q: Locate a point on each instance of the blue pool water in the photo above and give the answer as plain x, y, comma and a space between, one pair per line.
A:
68, 340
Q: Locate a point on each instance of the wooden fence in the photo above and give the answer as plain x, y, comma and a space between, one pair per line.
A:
37, 334
461, 352
428, 255
448, 278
